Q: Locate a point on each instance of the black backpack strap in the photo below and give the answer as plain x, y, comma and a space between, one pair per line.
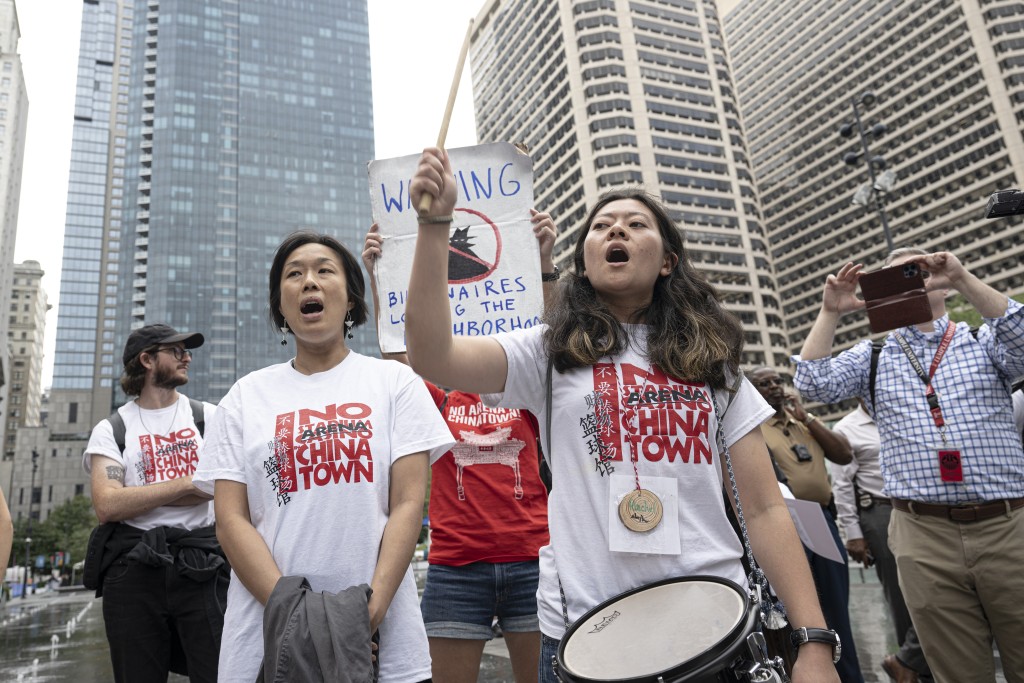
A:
198, 414
117, 425
876, 350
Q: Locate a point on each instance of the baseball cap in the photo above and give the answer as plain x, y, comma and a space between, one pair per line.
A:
151, 335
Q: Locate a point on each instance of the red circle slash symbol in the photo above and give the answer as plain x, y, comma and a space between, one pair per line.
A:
473, 256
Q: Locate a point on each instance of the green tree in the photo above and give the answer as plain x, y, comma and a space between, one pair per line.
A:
70, 524
67, 530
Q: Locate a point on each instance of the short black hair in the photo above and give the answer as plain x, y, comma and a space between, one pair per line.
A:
354, 282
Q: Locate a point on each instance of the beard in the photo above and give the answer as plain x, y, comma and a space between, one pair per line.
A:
168, 379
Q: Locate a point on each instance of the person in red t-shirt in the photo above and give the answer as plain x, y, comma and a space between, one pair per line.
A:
488, 519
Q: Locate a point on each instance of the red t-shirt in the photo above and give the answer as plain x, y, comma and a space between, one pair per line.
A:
487, 502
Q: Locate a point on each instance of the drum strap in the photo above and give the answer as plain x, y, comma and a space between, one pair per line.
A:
771, 616
546, 454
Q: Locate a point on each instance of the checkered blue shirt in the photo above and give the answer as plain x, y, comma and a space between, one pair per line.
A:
972, 381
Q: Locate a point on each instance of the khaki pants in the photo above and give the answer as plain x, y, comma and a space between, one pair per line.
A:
964, 585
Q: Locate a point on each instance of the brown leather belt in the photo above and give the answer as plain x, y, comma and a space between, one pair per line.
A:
960, 513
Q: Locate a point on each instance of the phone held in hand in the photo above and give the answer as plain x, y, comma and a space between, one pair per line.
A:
895, 297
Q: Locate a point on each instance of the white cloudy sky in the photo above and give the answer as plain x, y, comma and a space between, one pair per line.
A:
410, 88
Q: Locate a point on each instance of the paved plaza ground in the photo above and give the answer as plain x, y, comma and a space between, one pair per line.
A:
37, 643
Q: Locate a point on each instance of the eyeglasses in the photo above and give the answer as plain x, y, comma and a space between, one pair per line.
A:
180, 354
769, 382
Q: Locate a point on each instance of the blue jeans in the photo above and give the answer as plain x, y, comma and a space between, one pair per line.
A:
832, 580
548, 655
461, 602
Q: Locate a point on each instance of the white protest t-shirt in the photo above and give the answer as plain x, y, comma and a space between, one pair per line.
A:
676, 422
159, 445
315, 453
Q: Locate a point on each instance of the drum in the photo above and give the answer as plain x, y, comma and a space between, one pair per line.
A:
690, 630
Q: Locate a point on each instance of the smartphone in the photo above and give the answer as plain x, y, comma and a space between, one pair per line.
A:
895, 297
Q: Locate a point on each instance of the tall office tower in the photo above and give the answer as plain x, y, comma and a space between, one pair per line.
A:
948, 81
13, 120
204, 133
610, 93
26, 341
25, 338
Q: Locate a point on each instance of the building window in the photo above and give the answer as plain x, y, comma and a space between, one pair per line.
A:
73, 412
79, 489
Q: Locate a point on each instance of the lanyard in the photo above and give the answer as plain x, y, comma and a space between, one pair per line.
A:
930, 394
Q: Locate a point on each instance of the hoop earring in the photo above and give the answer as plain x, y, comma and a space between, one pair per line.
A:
349, 322
284, 333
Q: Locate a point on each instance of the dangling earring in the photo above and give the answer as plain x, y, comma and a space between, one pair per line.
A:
349, 322
284, 333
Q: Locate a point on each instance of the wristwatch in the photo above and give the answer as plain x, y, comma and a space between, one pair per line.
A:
552, 276
818, 635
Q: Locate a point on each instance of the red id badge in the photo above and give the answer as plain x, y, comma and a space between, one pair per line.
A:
950, 467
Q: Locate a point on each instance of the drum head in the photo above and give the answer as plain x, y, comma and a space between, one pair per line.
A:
654, 630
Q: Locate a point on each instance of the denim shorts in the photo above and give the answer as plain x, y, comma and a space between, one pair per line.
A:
461, 602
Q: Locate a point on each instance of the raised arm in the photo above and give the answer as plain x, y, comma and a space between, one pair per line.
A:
408, 489
947, 272
545, 231
474, 364
247, 552
373, 247
778, 551
839, 297
115, 502
835, 446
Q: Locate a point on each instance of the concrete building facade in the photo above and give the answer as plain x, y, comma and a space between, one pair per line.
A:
25, 338
948, 83
28, 312
608, 93
13, 123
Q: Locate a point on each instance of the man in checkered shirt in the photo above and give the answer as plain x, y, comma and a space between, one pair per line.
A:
951, 459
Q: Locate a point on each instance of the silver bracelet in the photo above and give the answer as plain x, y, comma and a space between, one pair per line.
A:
435, 220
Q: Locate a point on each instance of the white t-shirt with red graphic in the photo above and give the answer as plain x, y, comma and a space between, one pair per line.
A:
315, 453
159, 445
673, 423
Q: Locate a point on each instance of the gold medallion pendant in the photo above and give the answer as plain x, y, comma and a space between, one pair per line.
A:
640, 510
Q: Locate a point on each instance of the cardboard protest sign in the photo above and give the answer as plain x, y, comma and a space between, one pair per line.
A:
494, 280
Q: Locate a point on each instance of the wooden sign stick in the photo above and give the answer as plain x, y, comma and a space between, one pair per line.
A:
426, 200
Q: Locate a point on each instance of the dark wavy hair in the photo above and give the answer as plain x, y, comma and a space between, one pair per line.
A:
690, 336
133, 377
354, 283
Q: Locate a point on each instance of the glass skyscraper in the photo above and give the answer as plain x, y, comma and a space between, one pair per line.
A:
205, 133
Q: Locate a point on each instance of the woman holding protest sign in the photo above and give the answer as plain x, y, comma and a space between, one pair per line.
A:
488, 517
642, 352
319, 467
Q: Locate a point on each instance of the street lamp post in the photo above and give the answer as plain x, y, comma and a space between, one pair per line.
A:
28, 528
24, 578
880, 183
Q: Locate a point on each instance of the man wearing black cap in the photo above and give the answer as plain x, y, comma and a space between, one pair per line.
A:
163, 576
